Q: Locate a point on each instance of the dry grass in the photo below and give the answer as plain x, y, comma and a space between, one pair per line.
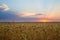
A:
29, 31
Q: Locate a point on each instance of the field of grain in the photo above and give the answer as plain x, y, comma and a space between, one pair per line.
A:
29, 31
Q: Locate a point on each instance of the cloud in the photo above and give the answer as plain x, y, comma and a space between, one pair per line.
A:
11, 16
26, 14
30, 15
6, 14
4, 7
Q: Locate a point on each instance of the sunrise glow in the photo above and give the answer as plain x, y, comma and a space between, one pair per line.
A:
45, 20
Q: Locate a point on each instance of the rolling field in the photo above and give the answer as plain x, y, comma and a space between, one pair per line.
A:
29, 31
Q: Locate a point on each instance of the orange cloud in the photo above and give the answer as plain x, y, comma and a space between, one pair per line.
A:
27, 14
30, 14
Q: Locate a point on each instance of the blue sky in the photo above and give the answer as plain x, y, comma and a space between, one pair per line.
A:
48, 8
29, 4
22, 4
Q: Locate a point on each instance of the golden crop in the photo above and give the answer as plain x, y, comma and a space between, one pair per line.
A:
29, 31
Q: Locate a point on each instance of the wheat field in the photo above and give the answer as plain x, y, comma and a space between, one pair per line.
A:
29, 31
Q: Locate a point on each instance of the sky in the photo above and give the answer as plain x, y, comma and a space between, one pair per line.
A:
29, 10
